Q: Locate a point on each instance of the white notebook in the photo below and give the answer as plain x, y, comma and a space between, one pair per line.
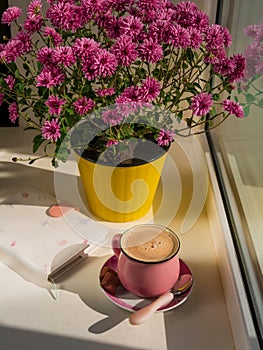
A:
46, 244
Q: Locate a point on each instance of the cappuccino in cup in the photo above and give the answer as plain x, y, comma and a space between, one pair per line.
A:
148, 263
150, 243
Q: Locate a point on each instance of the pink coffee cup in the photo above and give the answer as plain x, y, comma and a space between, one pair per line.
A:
148, 264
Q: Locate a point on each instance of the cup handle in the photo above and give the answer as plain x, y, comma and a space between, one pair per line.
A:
115, 244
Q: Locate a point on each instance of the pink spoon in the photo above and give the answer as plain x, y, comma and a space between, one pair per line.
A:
182, 285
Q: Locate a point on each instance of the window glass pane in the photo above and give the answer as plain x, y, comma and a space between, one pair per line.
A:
239, 145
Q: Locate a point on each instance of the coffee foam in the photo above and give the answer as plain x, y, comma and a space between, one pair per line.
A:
150, 244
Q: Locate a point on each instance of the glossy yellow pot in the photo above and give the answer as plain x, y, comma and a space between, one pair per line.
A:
122, 193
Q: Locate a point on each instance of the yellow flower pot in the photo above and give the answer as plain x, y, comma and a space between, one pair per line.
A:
122, 193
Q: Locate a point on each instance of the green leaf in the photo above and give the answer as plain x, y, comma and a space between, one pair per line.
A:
40, 107
43, 92
32, 161
167, 98
216, 97
54, 162
213, 112
86, 90
189, 55
196, 54
28, 92
246, 110
208, 86
25, 109
191, 88
29, 128
180, 115
37, 142
250, 98
20, 87
260, 102
197, 85
70, 111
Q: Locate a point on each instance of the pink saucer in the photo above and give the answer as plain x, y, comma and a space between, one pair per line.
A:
132, 302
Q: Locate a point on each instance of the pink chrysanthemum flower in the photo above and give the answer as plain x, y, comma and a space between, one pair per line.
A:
159, 30
233, 108
147, 5
104, 63
238, 72
213, 37
184, 13
98, 6
196, 38
54, 35
16, 47
111, 142
102, 20
83, 105
13, 112
166, 13
130, 100
227, 37
201, 104
55, 104
125, 50
180, 36
34, 8
49, 77
130, 94
85, 11
254, 51
96, 62
166, 31
122, 5
112, 117
10, 80
8, 54
105, 92
253, 55
33, 23
64, 55
51, 130
165, 137
11, 14
46, 56
255, 32
125, 109
88, 69
113, 27
150, 51
214, 56
85, 47
259, 67
225, 66
150, 89
66, 15
2, 95
188, 15
217, 37
252, 30
131, 26
25, 42
201, 20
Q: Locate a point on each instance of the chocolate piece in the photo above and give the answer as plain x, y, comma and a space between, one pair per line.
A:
109, 280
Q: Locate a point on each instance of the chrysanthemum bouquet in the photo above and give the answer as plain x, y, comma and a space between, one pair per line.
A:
251, 87
83, 56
